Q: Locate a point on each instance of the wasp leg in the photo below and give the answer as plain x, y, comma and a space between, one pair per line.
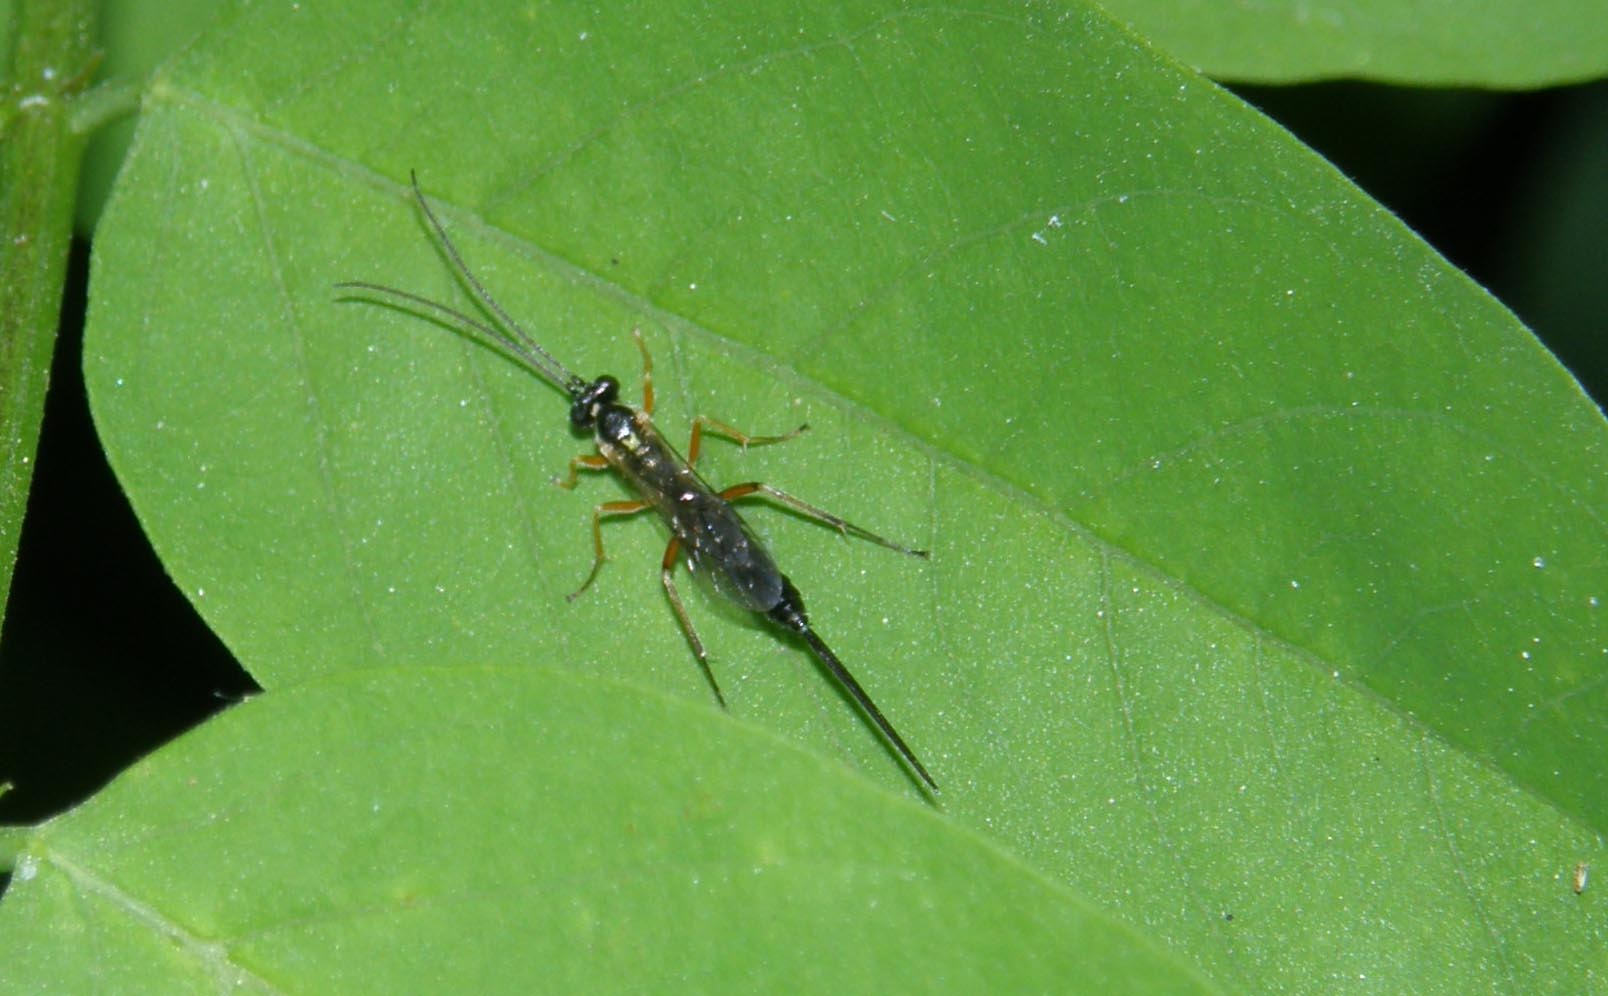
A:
647, 372
667, 575
607, 508
586, 461
737, 491
702, 422
743, 439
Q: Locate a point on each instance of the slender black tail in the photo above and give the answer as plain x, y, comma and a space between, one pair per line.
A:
790, 613
825, 655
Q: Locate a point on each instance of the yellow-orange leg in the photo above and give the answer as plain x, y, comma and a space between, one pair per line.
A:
702, 423
587, 461
607, 508
743, 439
737, 491
647, 372
667, 570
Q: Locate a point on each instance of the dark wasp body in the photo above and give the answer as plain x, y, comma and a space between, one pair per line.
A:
704, 526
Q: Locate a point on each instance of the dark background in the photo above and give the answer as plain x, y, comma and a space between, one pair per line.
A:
103, 660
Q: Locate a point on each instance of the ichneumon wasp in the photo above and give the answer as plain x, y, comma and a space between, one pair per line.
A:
705, 529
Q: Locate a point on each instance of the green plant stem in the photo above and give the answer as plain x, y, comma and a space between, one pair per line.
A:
51, 59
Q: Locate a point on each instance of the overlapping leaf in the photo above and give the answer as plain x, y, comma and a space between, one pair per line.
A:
1263, 607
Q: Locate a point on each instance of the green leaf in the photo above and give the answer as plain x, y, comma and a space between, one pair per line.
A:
1264, 606
1498, 45
452, 874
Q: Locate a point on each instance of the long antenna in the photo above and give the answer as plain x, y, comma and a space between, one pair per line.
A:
515, 339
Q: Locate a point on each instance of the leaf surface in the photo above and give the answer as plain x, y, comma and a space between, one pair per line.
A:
449, 873
1264, 605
